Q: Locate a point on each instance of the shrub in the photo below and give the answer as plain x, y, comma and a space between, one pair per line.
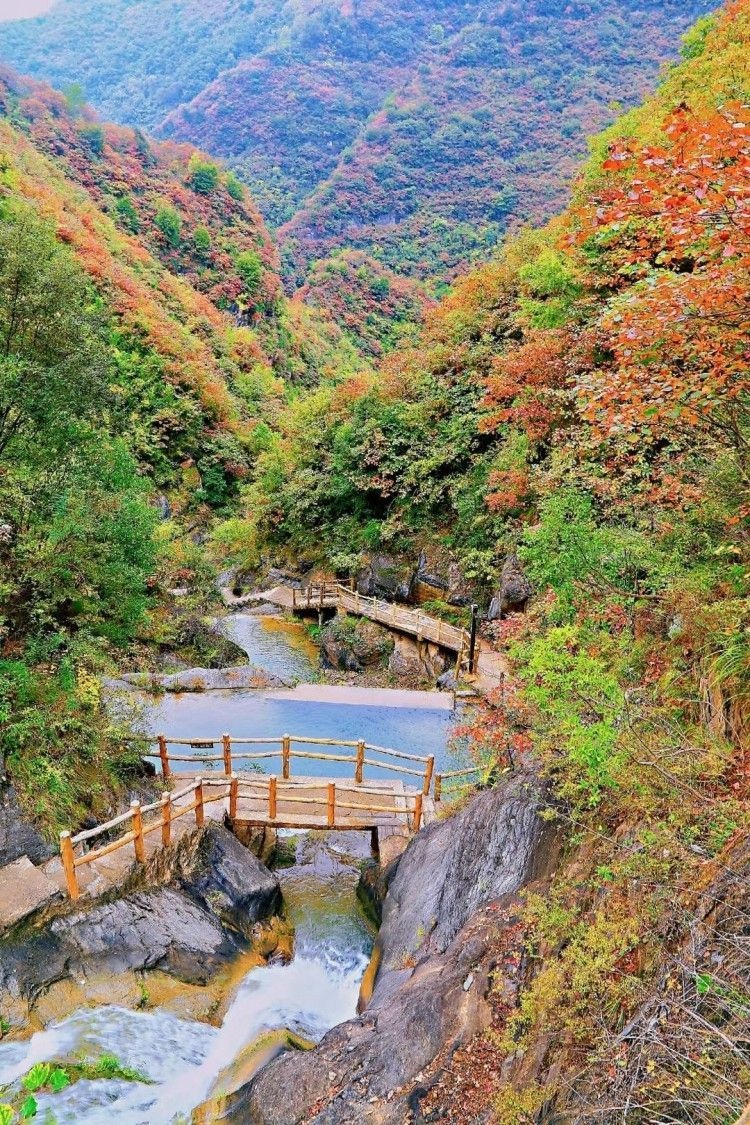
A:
170, 224
203, 175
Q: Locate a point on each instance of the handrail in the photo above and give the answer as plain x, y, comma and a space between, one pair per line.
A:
323, 595
274, 792
287, 752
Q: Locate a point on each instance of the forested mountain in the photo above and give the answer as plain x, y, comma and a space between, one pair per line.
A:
413, 131
583, 401
146, 348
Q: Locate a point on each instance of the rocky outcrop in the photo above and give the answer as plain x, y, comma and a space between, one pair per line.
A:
423, 660
351, 645
209, 892
384, 577
201, 679
514, 592
450, 901
18, 836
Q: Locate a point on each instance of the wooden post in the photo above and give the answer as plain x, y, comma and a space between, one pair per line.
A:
360, 761
352, 581
428, 774
286, 753
331, 804
417, 812
272, 798
233, 788
226, 744
438, 787
139, 845
166, 820
69, 865
294, 597
200, 815
164, 755
322, 594
308, 597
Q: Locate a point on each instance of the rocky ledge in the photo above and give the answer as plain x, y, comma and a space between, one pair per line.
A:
187, 914
450, 898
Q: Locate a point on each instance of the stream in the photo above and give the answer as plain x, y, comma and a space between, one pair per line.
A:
188, 1062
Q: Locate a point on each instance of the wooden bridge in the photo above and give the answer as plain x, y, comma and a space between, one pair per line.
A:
250, 798
334, 595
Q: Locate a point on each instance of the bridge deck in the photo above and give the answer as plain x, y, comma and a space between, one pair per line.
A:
303, 802
403, 619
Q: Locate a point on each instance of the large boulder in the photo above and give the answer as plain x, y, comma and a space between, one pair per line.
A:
383, 577
352, 644
423, 661
449, 909
514, 592
189, 914
18, 836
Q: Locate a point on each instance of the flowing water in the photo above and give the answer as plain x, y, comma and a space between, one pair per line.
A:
188, 1062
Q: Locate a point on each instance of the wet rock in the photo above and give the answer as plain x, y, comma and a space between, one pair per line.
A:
450, 898
231, 881
190, 928
514, 592
18, 836
162, 507
350, 644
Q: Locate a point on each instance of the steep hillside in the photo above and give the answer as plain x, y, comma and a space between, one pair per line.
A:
416, 132
146, 349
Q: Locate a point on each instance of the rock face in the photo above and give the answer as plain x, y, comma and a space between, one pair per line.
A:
189, 928
426, 660
383, 577
515, 590
450, 900
351, 645
17, 836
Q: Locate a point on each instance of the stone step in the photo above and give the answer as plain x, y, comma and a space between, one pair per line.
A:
23, 889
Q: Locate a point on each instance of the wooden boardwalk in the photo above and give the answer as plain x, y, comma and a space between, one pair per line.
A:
333, 595
390, 809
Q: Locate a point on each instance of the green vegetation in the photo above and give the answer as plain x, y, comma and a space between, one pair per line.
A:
51, 1078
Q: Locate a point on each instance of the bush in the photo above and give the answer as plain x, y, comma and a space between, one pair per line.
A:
250, 269
170, 224
203, 175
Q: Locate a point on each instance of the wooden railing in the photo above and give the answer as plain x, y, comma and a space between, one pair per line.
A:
169, 811
287, 753
412, 621
269, 791
266, 795
440, 778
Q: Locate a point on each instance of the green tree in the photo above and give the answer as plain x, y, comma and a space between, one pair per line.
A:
52, 362
202, 240
127, 214
203, 175
250, 269
170, 224
234, 187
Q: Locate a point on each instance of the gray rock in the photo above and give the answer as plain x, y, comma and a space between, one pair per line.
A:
190, 928
163, 508
454, 867
203, 679
18, 836
514, 593
232, 882
383, 577
450, 895
425, 661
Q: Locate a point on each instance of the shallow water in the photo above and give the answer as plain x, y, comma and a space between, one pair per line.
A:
283, 648
253, 714
183, 1058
